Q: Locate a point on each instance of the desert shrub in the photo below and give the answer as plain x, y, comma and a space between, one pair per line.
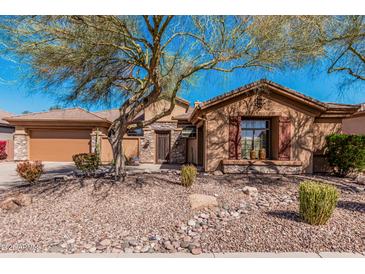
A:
317, 202
3, 154
345, 153
86, 162
188, 175
30, 171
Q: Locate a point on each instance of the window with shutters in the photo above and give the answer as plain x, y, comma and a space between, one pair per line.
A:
255, 135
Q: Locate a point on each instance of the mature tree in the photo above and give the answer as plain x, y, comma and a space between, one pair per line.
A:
137, 60
337, 41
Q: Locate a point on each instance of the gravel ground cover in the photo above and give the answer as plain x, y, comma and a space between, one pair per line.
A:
151, 213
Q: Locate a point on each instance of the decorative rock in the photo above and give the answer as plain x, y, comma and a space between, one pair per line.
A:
196, 251
92, 249
168, 245
191, 222
15, 202
200, 201
133, 242
128, 250
251, 191
9, 204
71, 241
235, 214
145, 249
105, 242
204, 215
217, 173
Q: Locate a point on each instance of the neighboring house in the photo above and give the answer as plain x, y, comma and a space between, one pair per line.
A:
221, 133
6, 134
356, 123
6, 130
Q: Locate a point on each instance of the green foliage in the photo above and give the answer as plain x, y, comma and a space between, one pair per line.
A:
188, 175
86, 162
30, 171
345, 153
317, 202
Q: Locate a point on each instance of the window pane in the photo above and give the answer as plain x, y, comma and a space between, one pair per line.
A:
246, 143
252, 124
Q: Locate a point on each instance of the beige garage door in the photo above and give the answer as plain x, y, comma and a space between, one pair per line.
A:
58, 145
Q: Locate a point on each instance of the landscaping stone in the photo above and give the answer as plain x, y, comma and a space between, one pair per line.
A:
251, 191
217, 173
158, 218
191, 222
196, 251
105, 242
16, 201
9, 204
201, 201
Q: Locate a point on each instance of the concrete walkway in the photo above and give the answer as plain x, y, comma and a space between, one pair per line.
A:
9, 178
188, 255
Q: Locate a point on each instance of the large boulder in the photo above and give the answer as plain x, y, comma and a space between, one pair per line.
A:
16, 201
200, 201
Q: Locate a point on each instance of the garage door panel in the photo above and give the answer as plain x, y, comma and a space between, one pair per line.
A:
58, 145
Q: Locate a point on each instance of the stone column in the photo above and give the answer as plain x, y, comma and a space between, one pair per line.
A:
21, 145
147, 147
95, 139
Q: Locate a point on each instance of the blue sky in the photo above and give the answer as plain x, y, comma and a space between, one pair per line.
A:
18, 94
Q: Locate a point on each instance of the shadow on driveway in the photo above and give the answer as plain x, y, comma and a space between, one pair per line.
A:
9, 178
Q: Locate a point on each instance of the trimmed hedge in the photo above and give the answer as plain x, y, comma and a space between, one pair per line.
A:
188, 175
345, 153
86, 162
317, 202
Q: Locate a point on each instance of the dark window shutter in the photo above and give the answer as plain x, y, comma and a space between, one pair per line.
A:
284, 138
234, 137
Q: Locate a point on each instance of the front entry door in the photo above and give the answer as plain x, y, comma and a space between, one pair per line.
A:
162, 147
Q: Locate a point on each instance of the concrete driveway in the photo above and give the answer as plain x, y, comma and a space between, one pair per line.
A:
9, 177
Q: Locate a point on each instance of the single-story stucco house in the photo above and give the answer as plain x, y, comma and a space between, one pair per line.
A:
260, 127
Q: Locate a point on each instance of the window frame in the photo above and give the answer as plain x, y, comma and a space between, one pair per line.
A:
267, 128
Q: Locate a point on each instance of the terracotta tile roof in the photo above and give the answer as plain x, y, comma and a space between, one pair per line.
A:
295, 94
4, 114
112, 114
109, 115
70, 114
185, 116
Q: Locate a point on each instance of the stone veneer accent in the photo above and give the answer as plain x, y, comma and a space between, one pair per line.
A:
20, 147
94, 140
148, 143
273, 169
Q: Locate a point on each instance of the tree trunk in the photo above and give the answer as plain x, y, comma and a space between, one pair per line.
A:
116, 142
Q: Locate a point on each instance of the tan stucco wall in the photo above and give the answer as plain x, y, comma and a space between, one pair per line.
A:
322, 128
159, 106
355, 125
301, 117
130, 146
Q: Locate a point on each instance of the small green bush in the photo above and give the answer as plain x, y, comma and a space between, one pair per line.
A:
188, 175
30, 171
317, 202
86, 162
345, 153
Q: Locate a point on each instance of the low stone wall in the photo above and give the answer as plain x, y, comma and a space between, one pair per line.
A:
267, 169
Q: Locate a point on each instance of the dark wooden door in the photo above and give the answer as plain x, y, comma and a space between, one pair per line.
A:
162, 147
